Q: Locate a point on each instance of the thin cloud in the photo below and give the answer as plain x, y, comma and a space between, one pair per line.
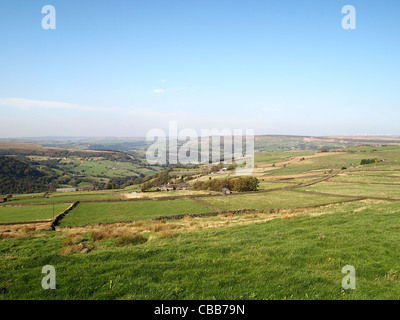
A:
22, 103
159, 91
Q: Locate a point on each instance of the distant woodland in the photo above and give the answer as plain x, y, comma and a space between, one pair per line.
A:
19, 177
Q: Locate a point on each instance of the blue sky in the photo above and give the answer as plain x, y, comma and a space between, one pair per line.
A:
121, 68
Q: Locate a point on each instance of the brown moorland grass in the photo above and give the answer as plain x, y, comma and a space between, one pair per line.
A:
135, 233
21, 231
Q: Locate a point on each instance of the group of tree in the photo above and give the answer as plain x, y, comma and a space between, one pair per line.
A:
111, 185
19, 177
240, 184
369, 161
157, 180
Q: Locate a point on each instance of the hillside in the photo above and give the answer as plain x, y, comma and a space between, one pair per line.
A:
19, 177
75, 168
314, 213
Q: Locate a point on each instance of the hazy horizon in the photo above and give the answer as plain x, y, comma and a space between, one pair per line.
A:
143, 137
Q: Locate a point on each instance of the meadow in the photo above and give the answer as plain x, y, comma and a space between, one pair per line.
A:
65, 198
281, 258
290, 243
30, 213
92, 213
355, 189
271, 200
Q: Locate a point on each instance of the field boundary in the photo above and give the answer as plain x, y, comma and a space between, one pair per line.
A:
58, 219
204, 204
317, 181
27, 222
25, 204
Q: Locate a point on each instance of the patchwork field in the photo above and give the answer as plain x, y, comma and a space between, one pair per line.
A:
354, 189
368, 178
271, 200
29, 213
92, 213
66, 198
330, 212
280, 257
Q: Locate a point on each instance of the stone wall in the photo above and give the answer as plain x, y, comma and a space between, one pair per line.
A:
58, 219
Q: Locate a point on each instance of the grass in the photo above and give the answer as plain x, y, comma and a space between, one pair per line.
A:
265, 185
93, 213
269, 200
105, 168
366, 178
272, 157
29, 213
287, 254
354, 189
277, 259
68, 198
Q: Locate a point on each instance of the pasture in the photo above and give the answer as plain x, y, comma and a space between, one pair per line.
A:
108, 212
271, 200
281, 258
293, 247
30, 213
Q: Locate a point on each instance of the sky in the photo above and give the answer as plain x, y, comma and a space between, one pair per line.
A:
121, 68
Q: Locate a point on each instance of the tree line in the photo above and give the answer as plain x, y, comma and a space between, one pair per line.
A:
241, 184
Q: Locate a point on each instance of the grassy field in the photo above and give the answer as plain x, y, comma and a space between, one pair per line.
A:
270, 200
92, 213
275, 259
66, 199
29, 213
366, 178
353, 189
104, 168
295, 251
266, 185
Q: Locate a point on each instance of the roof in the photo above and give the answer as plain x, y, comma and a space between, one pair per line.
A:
175, 185
65, 189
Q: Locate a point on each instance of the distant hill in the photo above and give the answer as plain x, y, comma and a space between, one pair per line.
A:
19, 177
18, 148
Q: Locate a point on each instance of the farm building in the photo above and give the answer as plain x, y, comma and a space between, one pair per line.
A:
88, 188
65, 189
171, 187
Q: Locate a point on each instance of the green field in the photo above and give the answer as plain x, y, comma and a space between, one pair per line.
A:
295, 251
266, 185
273, 157
105, 168
353, 189
366, 178
92, 213
66, 198
278, 259
30, 213
271, 200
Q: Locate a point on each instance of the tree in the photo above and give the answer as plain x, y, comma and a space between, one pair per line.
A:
241, 184
111, 185
146, 186
246, 184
